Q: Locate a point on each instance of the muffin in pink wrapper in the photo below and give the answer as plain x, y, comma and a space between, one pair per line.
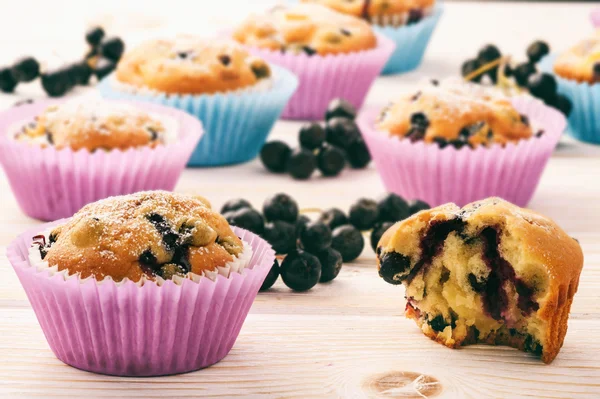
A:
461, 143
334, 55
189, 283
60, 156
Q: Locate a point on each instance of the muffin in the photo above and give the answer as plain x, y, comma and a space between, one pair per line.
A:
409, 23
161, 264
334, 55
490, 272
236, 95
459, 142
581, 62
60, 156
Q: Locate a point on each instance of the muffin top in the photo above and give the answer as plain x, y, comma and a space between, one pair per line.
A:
155, 233
190, 65
307, 28
93, 125
581, 62
400, 11
457, 114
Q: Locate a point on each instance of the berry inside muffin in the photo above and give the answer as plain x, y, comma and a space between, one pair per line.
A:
306, 28
458, 114
145, 235
95, 125
581, 62
488, 273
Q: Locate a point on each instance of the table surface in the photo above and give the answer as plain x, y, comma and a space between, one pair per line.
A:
347, 338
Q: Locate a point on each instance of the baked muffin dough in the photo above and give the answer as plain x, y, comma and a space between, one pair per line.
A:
93, 125
308, 28
488, 273
581, 62
190, 65
456, 114
155, 233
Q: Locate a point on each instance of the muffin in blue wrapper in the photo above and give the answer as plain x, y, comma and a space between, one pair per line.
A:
584, 120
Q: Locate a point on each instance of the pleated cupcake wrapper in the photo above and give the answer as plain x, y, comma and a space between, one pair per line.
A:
236, 124
411, 41
584, 121
323, 78
129, 330
595, 17
437, 176
50, 184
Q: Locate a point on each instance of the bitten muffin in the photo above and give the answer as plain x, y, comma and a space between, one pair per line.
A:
94, 125
306, 28
149, 234
190, 65
581, 62
457, 114
488, 273
382, 12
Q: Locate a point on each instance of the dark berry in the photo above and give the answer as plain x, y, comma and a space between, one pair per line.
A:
342, 132
333, 218
537, 50
418, 206
271, 277
274, 155
309, 50
280, 207
300, 270
112, 48
348, 241
235, 204
393, 267
488, 53
364, 213
79, 73
418, 119
596, 71
358, 154
542, 86
377, 233
414, 16
104, 67
316, 237
339, 108
56, 83
301, 164
281, 236
301, 223
508, 70
563, 104
312, 136
247, 218
331, 160
94, 36
470, 66
392, 208
7, 81
331, 264
26, 69
522, 73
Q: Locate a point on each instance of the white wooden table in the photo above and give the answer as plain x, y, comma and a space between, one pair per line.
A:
347, 338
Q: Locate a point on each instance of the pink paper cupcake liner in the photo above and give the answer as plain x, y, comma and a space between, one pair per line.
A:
323, 78
50, 184
128, 330
438, 176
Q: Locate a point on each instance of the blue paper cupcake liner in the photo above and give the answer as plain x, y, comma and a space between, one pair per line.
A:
411, 42
236, 124
584, 121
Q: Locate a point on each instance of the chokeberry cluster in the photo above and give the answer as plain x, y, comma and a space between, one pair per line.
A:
101, 60
328, 148
491, 66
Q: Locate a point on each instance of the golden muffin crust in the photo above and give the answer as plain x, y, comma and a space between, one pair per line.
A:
490, 272
581, 62
93, 125
308, 28
456, 114
154, 233
190, 65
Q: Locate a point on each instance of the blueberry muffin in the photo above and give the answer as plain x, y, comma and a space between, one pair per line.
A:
306, 28
94, 125
581, 62
190, 65
382, 12
145, 235
490, 272
457, 114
